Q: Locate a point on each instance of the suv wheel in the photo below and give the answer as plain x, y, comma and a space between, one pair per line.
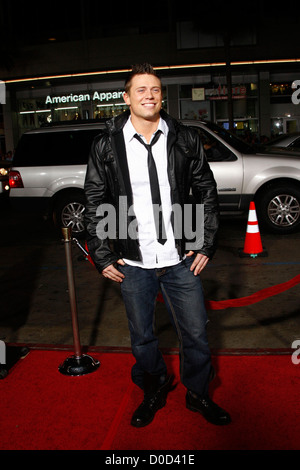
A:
279, 209
69, 211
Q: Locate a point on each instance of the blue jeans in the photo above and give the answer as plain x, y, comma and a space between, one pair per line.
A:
183, 297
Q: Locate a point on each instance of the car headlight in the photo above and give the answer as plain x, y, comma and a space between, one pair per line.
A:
3, 171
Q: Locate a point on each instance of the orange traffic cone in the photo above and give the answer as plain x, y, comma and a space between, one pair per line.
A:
253, 246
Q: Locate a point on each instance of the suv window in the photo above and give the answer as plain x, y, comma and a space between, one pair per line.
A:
70, 147
214, 149
295, 144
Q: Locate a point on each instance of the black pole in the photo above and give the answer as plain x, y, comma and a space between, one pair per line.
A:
72, 291
229, 94
229, 81
78, 364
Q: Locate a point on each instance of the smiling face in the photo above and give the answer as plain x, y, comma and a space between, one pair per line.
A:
144, 98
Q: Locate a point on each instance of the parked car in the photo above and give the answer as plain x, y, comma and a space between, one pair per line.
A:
288, 141
244, 173
50, 164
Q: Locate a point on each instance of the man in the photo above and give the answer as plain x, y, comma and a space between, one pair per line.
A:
145, 261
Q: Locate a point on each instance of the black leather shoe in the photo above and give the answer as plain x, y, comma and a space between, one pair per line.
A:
154, 400
210, 410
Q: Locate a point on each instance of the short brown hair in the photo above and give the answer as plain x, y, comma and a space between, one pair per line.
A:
139, 69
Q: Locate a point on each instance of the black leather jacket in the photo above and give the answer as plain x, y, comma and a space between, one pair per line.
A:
107, 179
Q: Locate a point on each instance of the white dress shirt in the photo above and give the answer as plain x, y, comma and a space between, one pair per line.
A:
154, 255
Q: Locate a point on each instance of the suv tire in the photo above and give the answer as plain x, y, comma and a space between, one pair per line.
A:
69, 212
279, 209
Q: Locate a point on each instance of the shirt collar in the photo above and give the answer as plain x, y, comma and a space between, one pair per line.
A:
129, 131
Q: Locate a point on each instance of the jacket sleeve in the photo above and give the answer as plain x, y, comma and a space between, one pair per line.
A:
204, 189
95, 189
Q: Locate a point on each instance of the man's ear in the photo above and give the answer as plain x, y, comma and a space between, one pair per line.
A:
126, 98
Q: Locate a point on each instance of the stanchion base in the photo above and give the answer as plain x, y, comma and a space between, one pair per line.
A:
76, 366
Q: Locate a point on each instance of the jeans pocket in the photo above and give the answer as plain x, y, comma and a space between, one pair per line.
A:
189, 260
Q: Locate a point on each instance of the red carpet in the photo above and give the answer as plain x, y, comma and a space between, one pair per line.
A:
41, 409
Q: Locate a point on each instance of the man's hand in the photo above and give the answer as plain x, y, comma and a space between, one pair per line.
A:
110, 272
199, 262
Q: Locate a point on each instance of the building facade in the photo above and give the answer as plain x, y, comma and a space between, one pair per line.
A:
262, 103
235, 68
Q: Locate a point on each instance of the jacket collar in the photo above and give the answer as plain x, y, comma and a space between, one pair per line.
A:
117, 123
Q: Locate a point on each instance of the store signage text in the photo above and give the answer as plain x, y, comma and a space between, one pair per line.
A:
221, 93
74, 98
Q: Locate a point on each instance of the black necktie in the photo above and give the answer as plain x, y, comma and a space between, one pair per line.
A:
155, 192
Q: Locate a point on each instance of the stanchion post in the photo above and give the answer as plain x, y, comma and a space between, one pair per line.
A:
72, 291
78, 364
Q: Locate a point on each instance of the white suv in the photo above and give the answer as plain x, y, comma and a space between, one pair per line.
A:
48, 172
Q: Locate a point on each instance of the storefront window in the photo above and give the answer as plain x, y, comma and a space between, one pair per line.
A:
280, 89
32, 113
195, 110
285, 115
212, 105
245, 115
104, 111
193, 103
